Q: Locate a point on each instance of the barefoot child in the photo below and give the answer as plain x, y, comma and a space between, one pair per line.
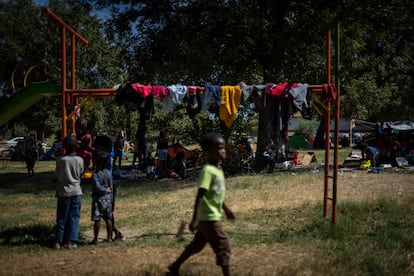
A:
207, 208
102, 196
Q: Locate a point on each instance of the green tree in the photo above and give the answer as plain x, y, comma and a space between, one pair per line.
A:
27, 38
377, 53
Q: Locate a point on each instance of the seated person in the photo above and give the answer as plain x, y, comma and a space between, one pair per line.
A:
179, 165
369, 153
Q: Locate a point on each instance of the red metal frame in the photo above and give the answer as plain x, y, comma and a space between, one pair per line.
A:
318, 89
70, 96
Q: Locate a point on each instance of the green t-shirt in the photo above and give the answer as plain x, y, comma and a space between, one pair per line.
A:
212, 180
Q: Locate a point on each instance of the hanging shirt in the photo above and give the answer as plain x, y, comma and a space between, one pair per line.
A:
280, 90
211, 95
298, 94
247, 92
160, 91
142, 90
176, 94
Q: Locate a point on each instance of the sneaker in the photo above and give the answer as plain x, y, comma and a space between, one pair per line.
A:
56, 245
71, 245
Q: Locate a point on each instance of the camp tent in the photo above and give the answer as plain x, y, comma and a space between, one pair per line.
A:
189, 151
300, 141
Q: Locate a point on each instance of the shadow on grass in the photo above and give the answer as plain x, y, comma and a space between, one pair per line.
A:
42, 235
21, 183
15, 183
38, 234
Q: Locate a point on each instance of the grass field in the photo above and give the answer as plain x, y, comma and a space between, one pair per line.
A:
279, 227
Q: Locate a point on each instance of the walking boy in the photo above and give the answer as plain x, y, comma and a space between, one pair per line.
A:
102, 187
207, 208
69, 169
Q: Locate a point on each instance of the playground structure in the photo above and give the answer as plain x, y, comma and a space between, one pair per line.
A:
22, 100
70, 96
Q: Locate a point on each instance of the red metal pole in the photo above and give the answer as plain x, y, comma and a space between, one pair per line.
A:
73, 77
337, 121
54, 17
63, 81
327, 126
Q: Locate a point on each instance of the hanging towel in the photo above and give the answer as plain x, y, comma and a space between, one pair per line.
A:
176, 94
230, 102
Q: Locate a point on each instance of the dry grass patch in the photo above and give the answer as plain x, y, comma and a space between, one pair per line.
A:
273, 211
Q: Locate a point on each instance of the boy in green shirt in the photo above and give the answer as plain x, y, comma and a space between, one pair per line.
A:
207, 208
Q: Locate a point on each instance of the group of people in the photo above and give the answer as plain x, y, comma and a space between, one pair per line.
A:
207, 211
77, 158
163, 164
386, 150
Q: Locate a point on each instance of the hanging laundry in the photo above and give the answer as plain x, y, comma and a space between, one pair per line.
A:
160, 91
147, 107
193, 99
230, 102
299, 94
176, 94
128, 95
247, 91
329, 92
143, 90
256, 94
279, 111
211, 95
280, 90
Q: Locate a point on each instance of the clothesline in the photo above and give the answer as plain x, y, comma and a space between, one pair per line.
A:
227, 97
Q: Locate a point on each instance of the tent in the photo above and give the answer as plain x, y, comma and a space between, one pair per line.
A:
300, 141
189, 151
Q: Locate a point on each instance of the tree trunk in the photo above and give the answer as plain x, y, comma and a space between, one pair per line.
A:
263, 139
319, 142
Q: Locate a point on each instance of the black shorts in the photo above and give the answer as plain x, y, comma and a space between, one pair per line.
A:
101, 209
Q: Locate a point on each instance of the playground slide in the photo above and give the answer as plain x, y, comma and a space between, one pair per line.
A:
24, 99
